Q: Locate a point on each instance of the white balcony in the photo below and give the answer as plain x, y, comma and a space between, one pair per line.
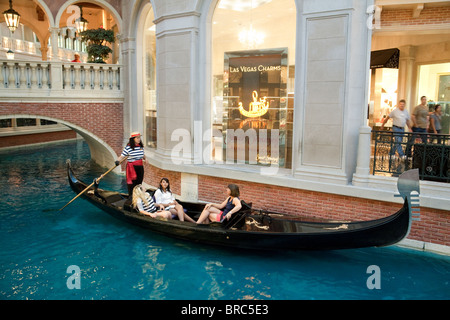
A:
47, 80
30, 50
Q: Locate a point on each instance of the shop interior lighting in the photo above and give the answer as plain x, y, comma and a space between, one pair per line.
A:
239, 5
250, 37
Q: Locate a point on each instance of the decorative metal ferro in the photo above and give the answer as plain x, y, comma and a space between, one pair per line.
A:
397, 152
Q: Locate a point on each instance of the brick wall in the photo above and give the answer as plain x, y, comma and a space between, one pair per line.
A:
105, 120
404, 17
153, 175
434, 225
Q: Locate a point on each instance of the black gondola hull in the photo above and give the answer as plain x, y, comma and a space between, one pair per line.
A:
286, 234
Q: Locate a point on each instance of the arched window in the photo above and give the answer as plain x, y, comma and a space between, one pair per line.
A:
253, 63
67, 40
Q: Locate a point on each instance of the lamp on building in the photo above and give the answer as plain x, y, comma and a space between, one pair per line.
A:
12, 18
10, 55
81, 23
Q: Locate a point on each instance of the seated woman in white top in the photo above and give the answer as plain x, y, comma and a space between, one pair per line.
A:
143, 201
164, 197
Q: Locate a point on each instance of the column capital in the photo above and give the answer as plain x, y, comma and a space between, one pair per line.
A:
407, 52
54, 30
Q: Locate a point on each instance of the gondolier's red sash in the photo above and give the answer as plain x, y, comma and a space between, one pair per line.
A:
131, 173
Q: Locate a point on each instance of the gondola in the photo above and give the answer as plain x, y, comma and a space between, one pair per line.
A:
256, 229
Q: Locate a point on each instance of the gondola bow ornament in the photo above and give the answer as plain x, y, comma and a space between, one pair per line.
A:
408, 186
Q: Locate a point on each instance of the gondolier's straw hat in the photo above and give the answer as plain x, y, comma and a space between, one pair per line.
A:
135, 134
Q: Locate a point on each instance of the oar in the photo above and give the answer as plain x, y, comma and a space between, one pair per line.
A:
95, 180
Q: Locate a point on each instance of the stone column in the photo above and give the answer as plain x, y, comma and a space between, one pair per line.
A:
128, 80
364, 151
361, 175
56, 70
405, 75
330, 89
44, 51
177, 81
54, 43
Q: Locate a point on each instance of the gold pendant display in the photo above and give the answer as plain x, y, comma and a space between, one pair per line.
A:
256, 108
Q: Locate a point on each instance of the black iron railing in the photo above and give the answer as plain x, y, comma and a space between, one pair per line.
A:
396, 152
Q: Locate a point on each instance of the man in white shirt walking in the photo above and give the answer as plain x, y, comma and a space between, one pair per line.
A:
400, 117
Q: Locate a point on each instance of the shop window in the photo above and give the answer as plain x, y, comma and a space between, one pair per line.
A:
76, 44
67, 40
149, 81
253, 64
434, 83
383, 97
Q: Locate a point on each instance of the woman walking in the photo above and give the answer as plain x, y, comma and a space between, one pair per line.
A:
435, 123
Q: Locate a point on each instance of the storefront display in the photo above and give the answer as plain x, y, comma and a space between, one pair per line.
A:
253, 76
255, 107
434, 83
384, 86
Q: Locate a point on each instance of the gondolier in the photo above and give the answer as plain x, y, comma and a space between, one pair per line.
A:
134, 150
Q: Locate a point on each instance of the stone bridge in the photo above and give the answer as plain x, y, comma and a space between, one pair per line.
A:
87, 98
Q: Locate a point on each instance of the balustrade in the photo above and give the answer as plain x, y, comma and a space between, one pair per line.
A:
25, 75
94, 77
59, 79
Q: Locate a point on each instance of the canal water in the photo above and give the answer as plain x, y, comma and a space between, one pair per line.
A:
83, 253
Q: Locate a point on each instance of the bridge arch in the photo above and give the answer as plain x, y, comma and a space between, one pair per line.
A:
100, 151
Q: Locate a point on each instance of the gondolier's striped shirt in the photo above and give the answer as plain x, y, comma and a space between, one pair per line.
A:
133, 154
150, 207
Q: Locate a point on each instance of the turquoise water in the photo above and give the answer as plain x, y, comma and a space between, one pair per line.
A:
121, 261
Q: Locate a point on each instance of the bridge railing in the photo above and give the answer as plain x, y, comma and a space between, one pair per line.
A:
60, 79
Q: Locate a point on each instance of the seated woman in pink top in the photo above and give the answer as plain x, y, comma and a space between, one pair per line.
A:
219, 212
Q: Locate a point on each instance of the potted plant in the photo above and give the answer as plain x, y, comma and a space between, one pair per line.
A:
96, 40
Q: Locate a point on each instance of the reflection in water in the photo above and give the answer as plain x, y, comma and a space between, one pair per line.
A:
226, 283
152, 281
217, 275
